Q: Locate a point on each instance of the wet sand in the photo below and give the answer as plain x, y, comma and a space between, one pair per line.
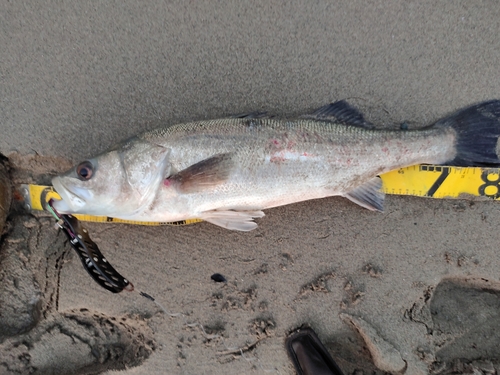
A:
421, 278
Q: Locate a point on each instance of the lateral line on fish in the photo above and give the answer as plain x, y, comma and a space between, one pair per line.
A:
433, 181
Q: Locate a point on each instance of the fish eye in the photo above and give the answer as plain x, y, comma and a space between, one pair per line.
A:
85, 170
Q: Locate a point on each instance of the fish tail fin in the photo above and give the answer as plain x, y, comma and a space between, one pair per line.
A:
478, 132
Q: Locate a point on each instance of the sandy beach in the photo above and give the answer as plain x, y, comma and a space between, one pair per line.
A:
413, 290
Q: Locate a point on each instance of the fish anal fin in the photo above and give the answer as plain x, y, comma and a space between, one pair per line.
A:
368, 195
340, 111
233, 220
204, 174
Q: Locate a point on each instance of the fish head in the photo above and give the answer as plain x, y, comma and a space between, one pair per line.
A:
121, 182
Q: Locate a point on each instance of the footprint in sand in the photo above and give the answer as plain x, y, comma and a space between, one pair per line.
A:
465, 326
462, 316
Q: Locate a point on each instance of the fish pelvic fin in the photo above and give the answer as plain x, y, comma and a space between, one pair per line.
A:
233, 220
478, 132
369, 195
204, 174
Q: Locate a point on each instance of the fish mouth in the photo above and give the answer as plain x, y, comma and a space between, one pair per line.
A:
71, 202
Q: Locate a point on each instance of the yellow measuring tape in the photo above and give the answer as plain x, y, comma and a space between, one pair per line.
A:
436, 181
433, 181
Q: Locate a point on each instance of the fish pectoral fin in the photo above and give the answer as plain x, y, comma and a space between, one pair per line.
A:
368, 195
340, 111
204, 174
233, 220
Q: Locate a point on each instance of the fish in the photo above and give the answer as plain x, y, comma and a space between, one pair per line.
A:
227, 171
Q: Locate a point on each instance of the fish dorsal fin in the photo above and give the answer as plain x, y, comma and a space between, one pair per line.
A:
233, 220
204, 174
252, 115
340, 111
368, 195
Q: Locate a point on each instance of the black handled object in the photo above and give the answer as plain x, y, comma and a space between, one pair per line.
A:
92, 259
309, 355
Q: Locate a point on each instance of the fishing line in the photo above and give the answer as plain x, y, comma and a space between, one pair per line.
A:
150, 297
175, 315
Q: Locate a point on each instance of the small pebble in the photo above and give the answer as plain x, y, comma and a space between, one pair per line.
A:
218, 278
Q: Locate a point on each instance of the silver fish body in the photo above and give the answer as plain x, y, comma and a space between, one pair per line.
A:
227, 171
